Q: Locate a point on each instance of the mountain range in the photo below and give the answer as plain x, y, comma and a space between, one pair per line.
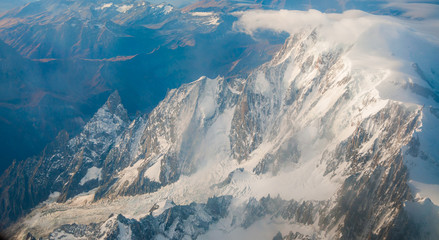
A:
62, 59
330, 135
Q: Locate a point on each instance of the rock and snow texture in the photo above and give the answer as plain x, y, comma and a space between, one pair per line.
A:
68, 167
92, 173
333, 138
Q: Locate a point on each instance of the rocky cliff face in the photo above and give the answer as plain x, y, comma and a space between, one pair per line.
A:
311, 145
67, 167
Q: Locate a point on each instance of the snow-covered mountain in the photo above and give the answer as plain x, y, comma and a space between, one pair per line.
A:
334, 138
62, 59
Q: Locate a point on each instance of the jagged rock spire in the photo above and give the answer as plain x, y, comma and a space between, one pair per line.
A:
114, 104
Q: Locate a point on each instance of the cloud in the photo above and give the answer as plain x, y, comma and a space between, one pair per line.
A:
374, 41
342, 3
344, 27
415, 10
340, 28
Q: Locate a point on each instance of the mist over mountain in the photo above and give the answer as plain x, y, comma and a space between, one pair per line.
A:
219, 120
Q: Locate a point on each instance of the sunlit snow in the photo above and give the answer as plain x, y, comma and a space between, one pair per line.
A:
92, 173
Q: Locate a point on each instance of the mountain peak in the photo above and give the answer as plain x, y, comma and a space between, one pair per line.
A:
113, 100
114, 105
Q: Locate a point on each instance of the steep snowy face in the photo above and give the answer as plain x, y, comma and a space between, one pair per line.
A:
177, 138
91, 146
333, 138
381, 61
66, 167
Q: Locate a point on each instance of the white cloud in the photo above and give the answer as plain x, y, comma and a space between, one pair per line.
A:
375, 41
340, 28
415, 10
344, 27
342, 3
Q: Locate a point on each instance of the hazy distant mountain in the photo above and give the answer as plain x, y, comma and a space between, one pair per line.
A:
9, 4
81, 51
